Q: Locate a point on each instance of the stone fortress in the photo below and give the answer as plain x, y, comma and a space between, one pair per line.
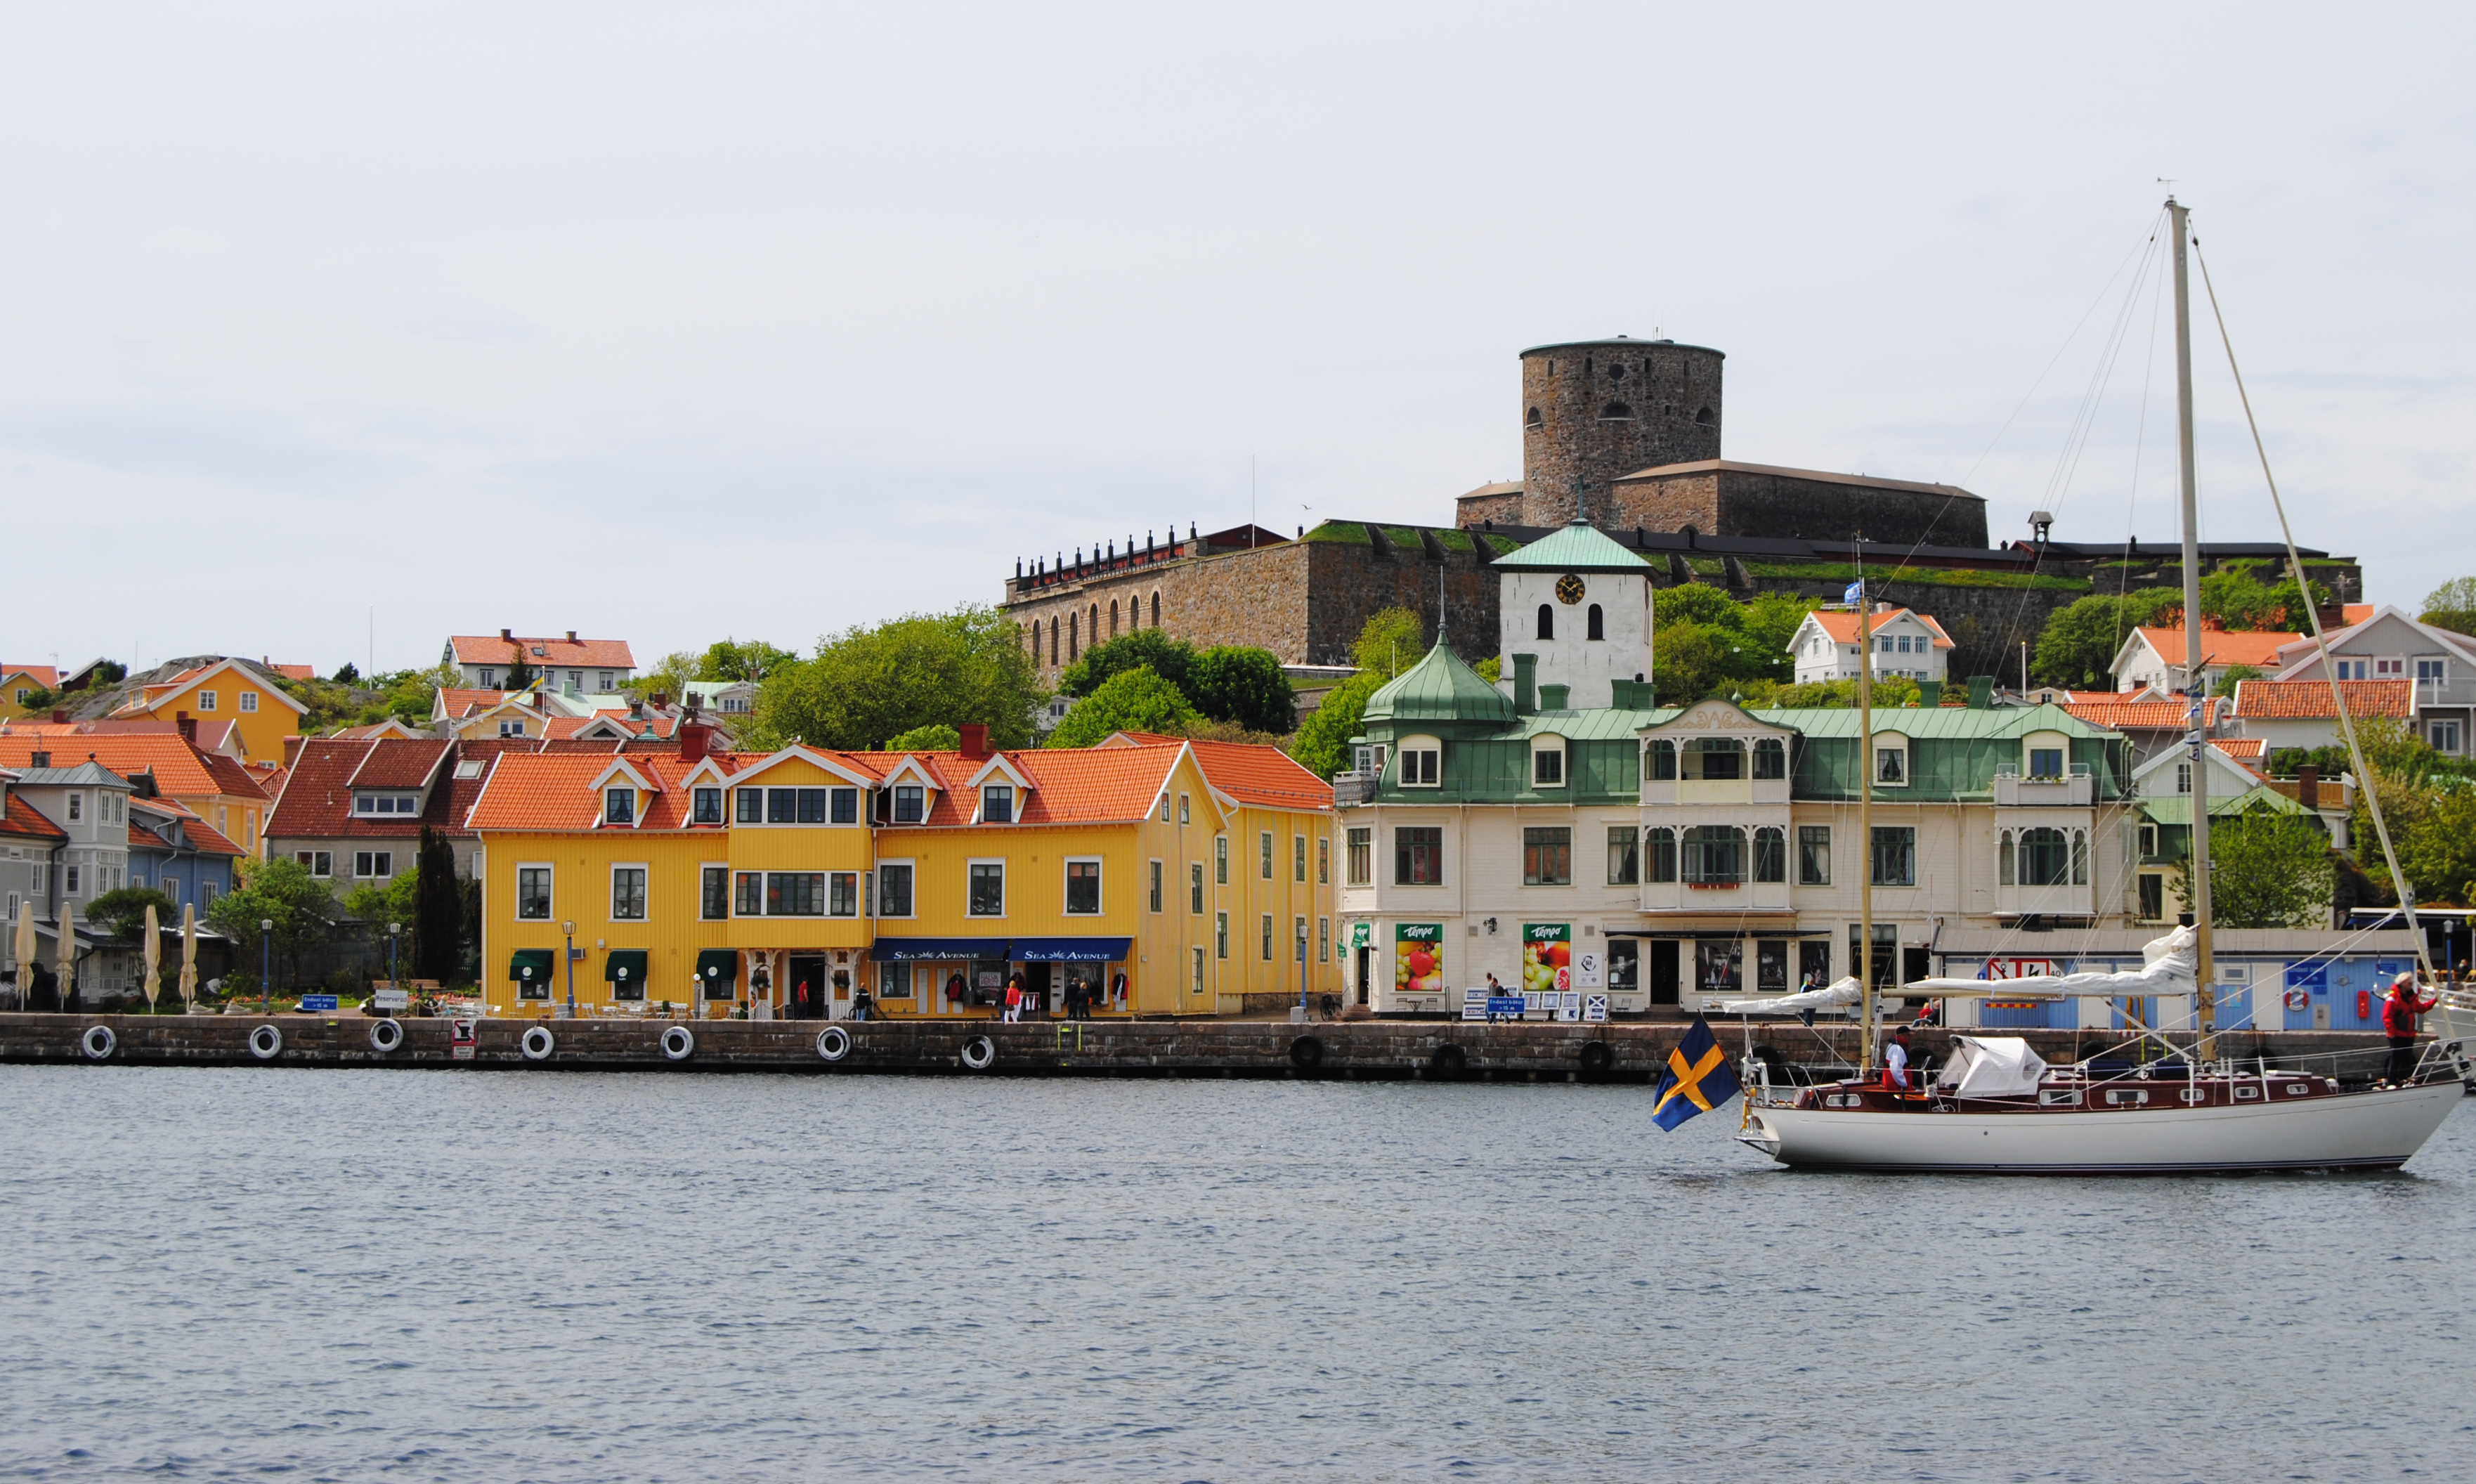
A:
1625, 434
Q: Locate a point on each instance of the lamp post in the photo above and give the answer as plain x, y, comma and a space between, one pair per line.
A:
393, 929
265, 961
569, 929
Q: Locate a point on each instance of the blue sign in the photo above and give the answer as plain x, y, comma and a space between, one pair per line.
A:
317, 1001
1505, 1005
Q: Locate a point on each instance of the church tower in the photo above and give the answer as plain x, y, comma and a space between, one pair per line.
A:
1574, 621
1594, 410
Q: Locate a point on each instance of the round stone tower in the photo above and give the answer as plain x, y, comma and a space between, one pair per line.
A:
1594, 410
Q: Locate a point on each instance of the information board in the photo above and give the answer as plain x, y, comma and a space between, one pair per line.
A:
318, 1001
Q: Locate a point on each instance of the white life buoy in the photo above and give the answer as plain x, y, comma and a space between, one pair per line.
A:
538, 1043
98, 1042
265, 1042
386, 1035
833, 1043
979, 1054
679, 1043
2299, 999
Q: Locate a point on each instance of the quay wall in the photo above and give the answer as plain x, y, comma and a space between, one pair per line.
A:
1435, 1050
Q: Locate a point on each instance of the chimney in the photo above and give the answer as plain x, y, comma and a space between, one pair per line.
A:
661, 699
507, 635
60, 716
292, 749
571, 636
143, 785
1525, 682
1981, 692
188, 726
38, 758
976, 741
2308, 786
694, 737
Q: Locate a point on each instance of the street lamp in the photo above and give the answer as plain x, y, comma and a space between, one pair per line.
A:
265, 961
569, 929
393, 929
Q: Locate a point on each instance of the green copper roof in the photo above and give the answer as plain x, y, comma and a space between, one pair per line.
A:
1577, 547
1440, 689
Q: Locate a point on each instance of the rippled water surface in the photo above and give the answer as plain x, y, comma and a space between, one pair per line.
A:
500, 1275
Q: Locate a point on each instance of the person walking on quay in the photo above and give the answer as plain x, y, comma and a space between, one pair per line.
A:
1014, 999
2399, 1012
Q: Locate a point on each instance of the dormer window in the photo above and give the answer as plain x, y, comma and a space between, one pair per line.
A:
619, 807
1548, 763
388, 805
911, 803
489, 678
1892, 761
997, 803
708, 808
1421, 759
2045, 763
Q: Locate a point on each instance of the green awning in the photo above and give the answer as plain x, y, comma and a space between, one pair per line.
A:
717, 966
625, 966
531, 965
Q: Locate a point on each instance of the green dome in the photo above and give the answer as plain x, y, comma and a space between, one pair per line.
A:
1440, 689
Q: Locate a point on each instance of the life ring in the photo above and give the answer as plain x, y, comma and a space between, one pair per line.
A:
98, 1042
979, 1054
1307, 1054
833, 1043
2299, 999
265, 1042
538, 1043
386, 1035
1449, 1060
679, 1043
1596, 1058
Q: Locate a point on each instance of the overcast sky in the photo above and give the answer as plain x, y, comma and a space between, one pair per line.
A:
667, 323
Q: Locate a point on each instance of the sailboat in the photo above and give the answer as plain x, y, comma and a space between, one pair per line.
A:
1996, 1107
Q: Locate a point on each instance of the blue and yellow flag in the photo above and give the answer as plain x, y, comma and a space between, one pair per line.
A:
1698, 1077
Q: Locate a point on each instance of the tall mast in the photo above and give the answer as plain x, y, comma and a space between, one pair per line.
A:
1864, 818
2195, 685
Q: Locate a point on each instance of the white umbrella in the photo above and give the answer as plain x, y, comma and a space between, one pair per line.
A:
26, 954
64, 955
154, 957
189, 956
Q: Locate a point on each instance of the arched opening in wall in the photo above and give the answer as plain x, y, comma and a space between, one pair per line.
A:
1156, 609
1598, 623
1113, 618
1073, 636
1053, 638
1705, 417
1535, 420
1586, 365
1616, 412
1546, 622
1095, 625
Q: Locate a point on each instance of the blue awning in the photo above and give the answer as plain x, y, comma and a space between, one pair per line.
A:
1072, 951
914, 949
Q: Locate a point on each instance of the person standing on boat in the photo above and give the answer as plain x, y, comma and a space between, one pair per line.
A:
1895, 1059
2399, 1014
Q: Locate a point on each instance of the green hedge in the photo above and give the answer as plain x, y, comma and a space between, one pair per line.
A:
1929, 577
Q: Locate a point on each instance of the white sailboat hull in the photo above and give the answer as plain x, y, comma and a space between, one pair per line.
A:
2372, 1130
2453, 1019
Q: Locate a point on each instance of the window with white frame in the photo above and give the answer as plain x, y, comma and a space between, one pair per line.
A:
1194, 888
894, 888
1185, 811
2444, 736
911, 803
1890, 761
1220, 934
997, 803
842, 893
1358, 856
1421, 762
2354, 669
532, 893
628, 894
1158, 887
2390, 668
206, 701
1083, 887
706, 805
2432, 671
1814, 854
249, 701
713, 892
72, 879
619, 805
986, 894
1548, 762
318, 863
1220, 860
1264, 854
512, 729
374, 865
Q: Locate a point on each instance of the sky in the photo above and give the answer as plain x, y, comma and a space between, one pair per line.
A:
332, 331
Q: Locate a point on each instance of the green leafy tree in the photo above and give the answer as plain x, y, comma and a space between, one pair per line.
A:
741, 659
122, 912
1771, 619
670, 678
934, 737
2240, 602
1233, 682
2452, 605
380, 904
1129, 701
872, 683
1891, 692
1689, 661
2437, 846
438, 911
39, 700
1145, 649
281, 891
2077, 647
2266, 870
2236, 676
1391, 641
1322, 743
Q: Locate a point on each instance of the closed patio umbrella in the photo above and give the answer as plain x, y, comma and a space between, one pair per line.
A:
26, 954
189, 956
64, 953
154, 956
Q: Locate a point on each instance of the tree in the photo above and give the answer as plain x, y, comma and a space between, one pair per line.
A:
1688, 661
346, 674
437, 911
2266, 870
868, 683
1391, 641
1771, 622
378, 905
2236, 675
280, 890
2077, 648
122, 913
934, 737
1890, 693
670, 678
1131, 701
2452, 605
741, 659
1231, 683
1705, 642
1144, 648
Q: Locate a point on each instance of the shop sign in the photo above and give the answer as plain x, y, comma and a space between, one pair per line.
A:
1362, 934
1547, 957
1418, 959
1590, 970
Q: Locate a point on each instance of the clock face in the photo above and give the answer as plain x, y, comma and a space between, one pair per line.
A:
1569, 590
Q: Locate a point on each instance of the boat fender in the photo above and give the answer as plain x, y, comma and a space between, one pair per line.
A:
537, 1043
265, 1042
2299, 999
98, 1042
679, 1043
1307, 1054
979, 1054
1449, 1060
1596, 1058
386, 1035
2364, 1005
833, 1043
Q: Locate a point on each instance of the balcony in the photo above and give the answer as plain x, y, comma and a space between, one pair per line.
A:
2046, 900
1352, 789
2076, 789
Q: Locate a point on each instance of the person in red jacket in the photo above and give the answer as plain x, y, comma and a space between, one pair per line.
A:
2399, 1012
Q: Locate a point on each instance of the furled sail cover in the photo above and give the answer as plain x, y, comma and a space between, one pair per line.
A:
2172, 964
1842, 993
1991, 1067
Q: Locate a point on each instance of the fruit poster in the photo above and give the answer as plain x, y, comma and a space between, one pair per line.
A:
1418, 959
1547, 953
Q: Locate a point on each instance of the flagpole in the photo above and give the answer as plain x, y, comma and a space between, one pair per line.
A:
1865, 821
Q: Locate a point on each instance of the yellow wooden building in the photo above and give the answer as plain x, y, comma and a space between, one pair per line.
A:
229, 690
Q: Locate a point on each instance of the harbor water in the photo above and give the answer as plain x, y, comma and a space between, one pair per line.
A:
417, 1275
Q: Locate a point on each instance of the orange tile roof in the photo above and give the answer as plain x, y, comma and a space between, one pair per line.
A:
2140, 715
400, 762
1842, 624
2350, 614
2241, 749
582, 654
295, 672
200, 835
316, 802
45, 676
24, 819
561, 728
179, 768
459, 701
553, 791
2223, 646
235, 777
2312, 700
1249, 773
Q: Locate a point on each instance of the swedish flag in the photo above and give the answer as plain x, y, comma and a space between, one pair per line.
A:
1698, 1077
